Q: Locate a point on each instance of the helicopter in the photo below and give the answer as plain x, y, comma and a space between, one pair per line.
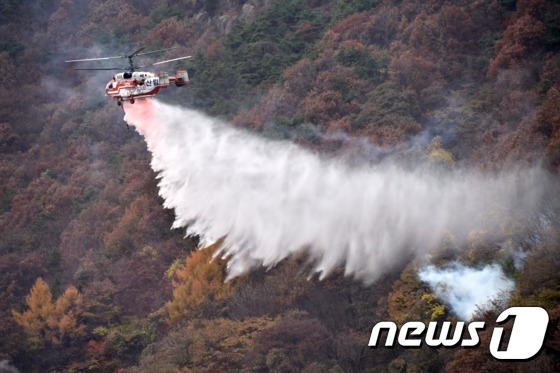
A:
132, 84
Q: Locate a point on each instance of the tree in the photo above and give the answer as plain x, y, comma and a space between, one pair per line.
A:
64, 321
169, 32
438, 155
54, 322
9, 139
389, 114
200, 283
135, 227
290, 344
548, 123
41, 308
412, 300
411, 69
519, 40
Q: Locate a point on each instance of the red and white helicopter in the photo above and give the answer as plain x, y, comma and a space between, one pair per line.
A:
133, 84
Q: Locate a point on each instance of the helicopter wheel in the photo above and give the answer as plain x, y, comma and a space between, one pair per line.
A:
131, 100
119, 103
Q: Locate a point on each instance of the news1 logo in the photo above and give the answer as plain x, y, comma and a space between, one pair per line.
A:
525, 341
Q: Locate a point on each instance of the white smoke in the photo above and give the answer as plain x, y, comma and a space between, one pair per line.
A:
465, 289
272, 199
6, 367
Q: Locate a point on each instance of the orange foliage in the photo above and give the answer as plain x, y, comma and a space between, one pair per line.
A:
254, 118
85, 233
335, 94
383, 25
340, 125
119, 16
516, 104
323, 107
456, 23
300, 77
291, 343
378, 28
276, 102
548, 123
351, 27
392, 135
137, 221
415, 71
551, 69
96, 348
200, 281
64, 19
169, 32
58, 145
548, 116
40, 309
520, 38
64, 320
433, 46
54, 322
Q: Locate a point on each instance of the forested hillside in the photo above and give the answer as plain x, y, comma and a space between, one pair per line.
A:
92, 278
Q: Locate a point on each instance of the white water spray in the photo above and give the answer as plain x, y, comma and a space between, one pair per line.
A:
272, 199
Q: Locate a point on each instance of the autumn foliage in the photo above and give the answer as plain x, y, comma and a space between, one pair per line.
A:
55, 322
450, 84
200, 283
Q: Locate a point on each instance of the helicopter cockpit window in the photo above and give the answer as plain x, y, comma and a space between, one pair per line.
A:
127, 75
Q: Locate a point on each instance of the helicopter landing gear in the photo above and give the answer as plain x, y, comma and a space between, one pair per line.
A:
132, 101
119, 103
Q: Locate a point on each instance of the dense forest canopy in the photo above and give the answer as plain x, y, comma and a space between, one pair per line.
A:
92, 278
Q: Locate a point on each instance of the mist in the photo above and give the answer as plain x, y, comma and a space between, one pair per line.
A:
270, 200
465, 289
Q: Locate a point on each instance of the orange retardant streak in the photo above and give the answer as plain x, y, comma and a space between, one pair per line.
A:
141, 115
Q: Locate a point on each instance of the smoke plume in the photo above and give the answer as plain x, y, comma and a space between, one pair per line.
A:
273, 199
465, 289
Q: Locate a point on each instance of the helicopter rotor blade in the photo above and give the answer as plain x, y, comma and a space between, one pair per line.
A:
161, 62
135, 53
102, 68
156, 51
96, 59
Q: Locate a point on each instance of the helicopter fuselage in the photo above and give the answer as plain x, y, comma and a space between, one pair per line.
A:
128, 86
132, 84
